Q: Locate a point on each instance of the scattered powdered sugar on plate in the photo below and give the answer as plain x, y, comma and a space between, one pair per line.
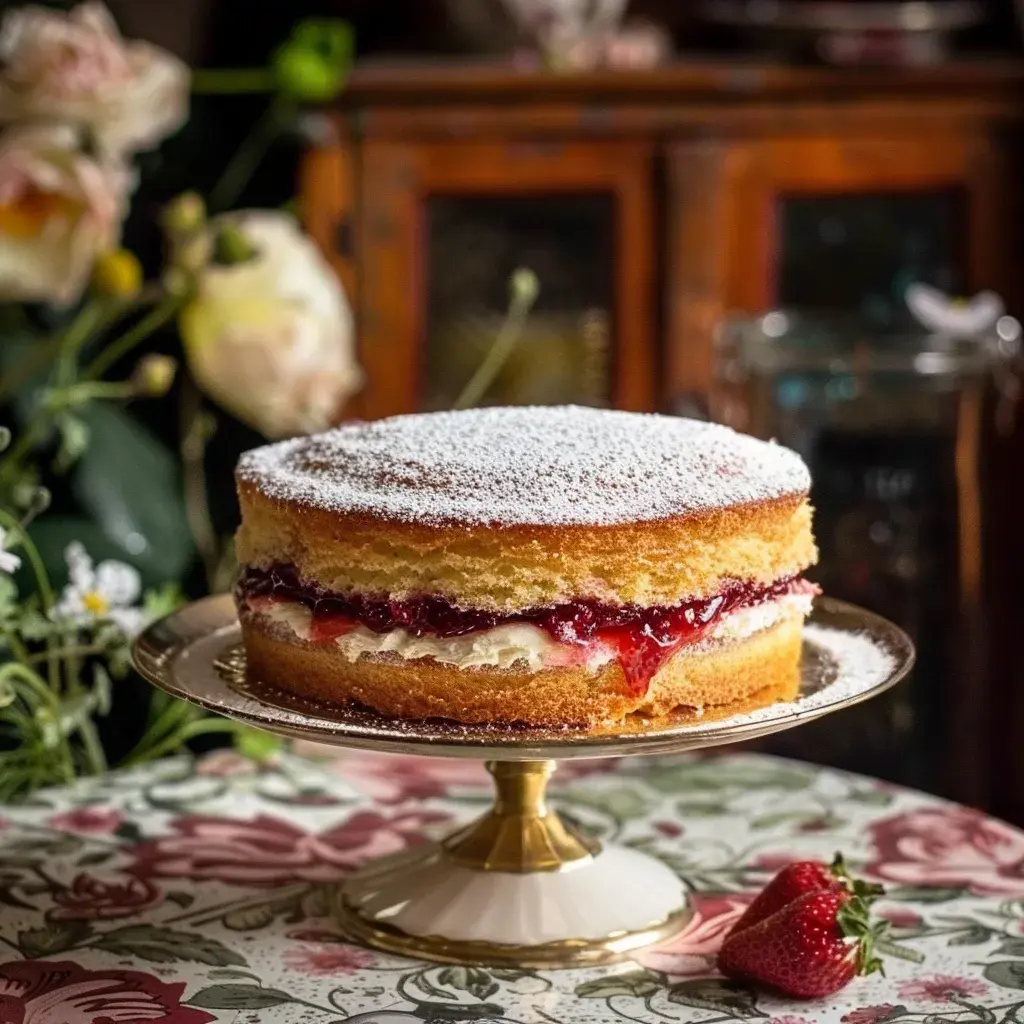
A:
851, 664
562, 465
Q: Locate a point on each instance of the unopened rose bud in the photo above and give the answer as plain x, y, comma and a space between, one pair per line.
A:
313, 64
184, 215
231, 247
117, 274
524, 287
154, 375
40, 501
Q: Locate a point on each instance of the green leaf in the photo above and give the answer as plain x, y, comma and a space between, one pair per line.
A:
164, 946
129, 482
686, 809
238, 997
250, 919
55, 937
74, 442
972, 936
635, 983
715, 775
923, 894
1008, 973
257, 744
712, 994
473, 980
872, 797
622, 804
1011, 947
91, 859
456, 1011
780, 818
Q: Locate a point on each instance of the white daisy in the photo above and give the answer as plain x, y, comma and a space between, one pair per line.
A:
107, 592
8, 562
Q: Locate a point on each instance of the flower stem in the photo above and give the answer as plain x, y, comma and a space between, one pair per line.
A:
231, 81
247, 157
9, 522
94, 755
89, 319
135, 335
508, 336
189, 731
193, 460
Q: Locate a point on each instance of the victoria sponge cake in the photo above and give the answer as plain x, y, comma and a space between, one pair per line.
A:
552, 566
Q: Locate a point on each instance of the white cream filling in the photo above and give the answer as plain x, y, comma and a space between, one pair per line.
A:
504, 646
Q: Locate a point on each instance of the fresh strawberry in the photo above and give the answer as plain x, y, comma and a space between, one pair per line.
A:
794, 880
811, 947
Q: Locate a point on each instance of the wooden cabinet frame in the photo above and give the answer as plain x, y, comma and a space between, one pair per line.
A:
724, 197
389, 232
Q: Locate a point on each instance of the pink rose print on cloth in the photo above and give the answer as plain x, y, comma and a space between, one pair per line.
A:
41, 992
396, 778
91, 899
949, 847
89, 820
868, 1014
694, 949
327, 959
266, 851
941, 988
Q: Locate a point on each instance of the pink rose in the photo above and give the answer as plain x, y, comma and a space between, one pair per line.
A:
76, 68
331, 958
900, 918
868, 1014
395, 778
694, 949
941, 988
267, 851
949, 847
89, 820
91, 899
44, 992
59, 209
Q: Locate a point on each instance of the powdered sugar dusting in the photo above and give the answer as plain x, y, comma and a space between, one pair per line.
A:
851, 664
560, 465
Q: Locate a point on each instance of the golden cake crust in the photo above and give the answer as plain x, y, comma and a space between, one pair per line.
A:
743, 674
507, 568
506, 509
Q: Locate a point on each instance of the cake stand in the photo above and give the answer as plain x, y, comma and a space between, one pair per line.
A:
519, 887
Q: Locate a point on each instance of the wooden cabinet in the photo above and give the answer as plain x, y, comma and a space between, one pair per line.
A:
837, 221
649, 204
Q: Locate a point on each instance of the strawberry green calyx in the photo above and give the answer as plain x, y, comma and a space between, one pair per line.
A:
854, 919
872, 937
867, 891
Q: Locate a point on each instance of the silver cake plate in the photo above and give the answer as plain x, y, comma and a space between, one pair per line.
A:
520, 886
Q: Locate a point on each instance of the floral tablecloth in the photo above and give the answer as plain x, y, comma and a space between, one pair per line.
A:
191, 892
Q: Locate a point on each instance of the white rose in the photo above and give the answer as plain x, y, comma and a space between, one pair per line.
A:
271, 339
58, 210
76, 67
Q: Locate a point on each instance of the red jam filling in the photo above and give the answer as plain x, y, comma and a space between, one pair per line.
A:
643, 639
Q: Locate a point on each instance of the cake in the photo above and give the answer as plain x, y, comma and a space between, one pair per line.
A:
552, 566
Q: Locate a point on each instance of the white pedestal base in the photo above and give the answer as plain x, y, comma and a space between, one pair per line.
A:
424, 903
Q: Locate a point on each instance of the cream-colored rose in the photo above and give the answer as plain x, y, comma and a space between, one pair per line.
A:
76, 67
58, 210
271, 338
